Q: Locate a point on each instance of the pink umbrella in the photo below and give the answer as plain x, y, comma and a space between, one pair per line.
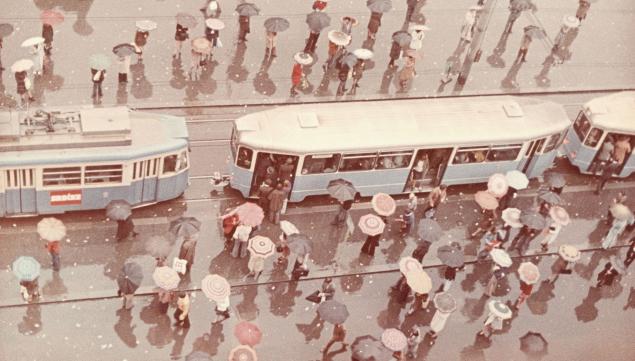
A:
528, 273
497, 184
394, 339
383, 204
559, 215
371, 224
250, 214
486, 200
51, 17
247, 333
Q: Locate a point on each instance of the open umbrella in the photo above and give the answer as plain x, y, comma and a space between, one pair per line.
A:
186, 20
118, 210
185, 226
429, 229
379, 6
158, 246
409, 265
368, 348
339, 38
215, 24
363, 54
26, 268
198, 356
549, 197
401, 37
166, 278
499, 309
201, 45
341, 189
419, 281
288, 228
261, 246
517, 179
99, 61
500, 257
486, 200
247, 9
371, 224
533, 219
444, 302
317, 21
299, 244
247, 333
618, 264
451, 256
130, 278
250, 214
276, 24
620, 212
5, 30
215, 287
123, 49
145, 25
394, 339
51, 229
22, 65
349, 59
243, 353
497, 184
570, 21
32, 41
383, 204
51, 17
303, 58
569, 253
511, 217
559, 215
533, 343
528, 273
333, 312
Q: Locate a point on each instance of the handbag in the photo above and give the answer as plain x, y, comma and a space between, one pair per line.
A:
179, 265
314, 297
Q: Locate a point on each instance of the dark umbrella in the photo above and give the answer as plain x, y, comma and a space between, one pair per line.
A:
550, 197
533, 219
5, 30
555, 180
402, 37
299, 244
533, 343
535, 32
276, 24
130, 278
429, 230
317, 21
186, 20
451, 256
118, 210
379, 6
185, 226
341, 189
368, 348
247, 9
333, 312
198, 356
123, 49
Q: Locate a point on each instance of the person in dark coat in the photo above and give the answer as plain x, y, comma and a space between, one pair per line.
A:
187, 252
243, 27
395, 53
370, 244
299, 269
342, 75
140, 40
448, 278
285, 171
342, 213
630, 254
1, 67
263, 195
358, 71
125, 228
606, 175
47, 34
276, 199
607, 275
23, 90
522, 239
180, 36
98, 77
311, 42
504, 201
373, 24
422, 249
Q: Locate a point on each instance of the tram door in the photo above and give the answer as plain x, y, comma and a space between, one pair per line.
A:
145, 173
20, 191
427, 169
274, 166
529, 158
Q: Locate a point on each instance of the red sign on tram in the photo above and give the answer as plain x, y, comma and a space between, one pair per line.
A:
66, 198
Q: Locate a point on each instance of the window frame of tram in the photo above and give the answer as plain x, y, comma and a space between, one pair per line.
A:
490, 154
317, 163
177, 163
246, 162
15, 180
103, 173
62, 176
367, 156
581, 126
594, 137
146, 168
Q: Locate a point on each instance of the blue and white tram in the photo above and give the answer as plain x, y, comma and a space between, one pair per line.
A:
395, 146
81, 159
607, 119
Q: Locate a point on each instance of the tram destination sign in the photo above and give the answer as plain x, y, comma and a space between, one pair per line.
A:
66, 198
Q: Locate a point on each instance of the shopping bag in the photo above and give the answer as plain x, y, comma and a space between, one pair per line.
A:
179, 265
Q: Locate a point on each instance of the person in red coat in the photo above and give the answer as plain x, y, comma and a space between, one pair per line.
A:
319, 5
296, 78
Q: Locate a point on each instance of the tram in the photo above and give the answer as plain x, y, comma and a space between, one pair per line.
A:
395, 146
607, 123
63, 160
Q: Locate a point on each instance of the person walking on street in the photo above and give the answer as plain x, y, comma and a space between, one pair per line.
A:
311, 42
24, 86
606, 175
358, 71
339, 335
370, 244
583, 7
263, 195
524, 48
603, 157
395, 53
283, 249
552, 234
255, 265
449, 275
412, 4
53, 247
222, 310
347, 25
211, 10
420, 302
181, 314
373, 24
37, 55
123, 68
421, 250
1, 67
187, 251
437, 196
300, 268
180, 36
407, 219
342, 213
523, 239
498, 274
296, 79
407, 73
319, 5
514, 14
492, 322
560, 266
630, 254
165, 297
98, 77
413, 341
140, 41
622, 149
525, 292
128, 299
243, 27
241, 238
270, 44
30, 290
47, 34
276, 199
343, 73
285, 171
617, 227
607, 275
125, 227
619, 199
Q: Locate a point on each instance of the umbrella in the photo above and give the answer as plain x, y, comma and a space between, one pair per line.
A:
22, 65
339, 38
243, 353
215, 287
247, 333
185, 226
379, 6
620, 212
118, 210
166, 278
145, 25
371, 224
383, 204
517, 179
363, 53
5, 30
123, 49
429, 230
550, 197
26, 268
533, 343
198, 356
261, 246
394, 339
215, 24
569, 253
250, 214
559, 215
99, 61
130, 278
528, 273
186, 20
201, 45
500, 257
618, 264
451, 256
570, 21
368, 348
158, 246
341, 189
499, 309
497, 184
486, 200
288, 228
51, 17
533, 219
317, 21
409, 265
420, 282
276, 24
349, 59
51, 229
333, 312
32, 41
247, 9
303, 58
521, 5
401, 37
299, 244
444, 302
511, 216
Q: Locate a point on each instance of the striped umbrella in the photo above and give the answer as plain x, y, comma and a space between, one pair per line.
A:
371, 224
51, 229
26, 268
383, 204
243, 353
166, 278
261, 246
215, 287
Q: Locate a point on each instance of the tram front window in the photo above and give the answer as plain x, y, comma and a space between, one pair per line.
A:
582, 125
169, 164
594, 137
244, 157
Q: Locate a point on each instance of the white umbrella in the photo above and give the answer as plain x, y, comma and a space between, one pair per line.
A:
511, 216
288, 228
261, 246
517, 179
215, 287
215, 24
146, 25
499, 309
166, 278
51, 229
22, 65
363, 54
569, 253
419, 27
528, 273
497, 184
303, 58
501, 257
408, 265
570, 21
419, 281
339, 38
32, 41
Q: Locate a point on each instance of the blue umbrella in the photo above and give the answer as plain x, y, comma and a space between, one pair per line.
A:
99, 61
26, 268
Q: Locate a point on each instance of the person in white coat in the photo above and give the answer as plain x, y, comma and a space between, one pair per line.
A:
222, 310
37, 55
552, 233
616, 230
417, 39
493, 322
123, 68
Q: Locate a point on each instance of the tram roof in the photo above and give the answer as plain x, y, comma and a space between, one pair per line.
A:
314, 128
614, 112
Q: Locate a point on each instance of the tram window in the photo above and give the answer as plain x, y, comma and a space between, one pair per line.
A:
244, 157
357, 162
582, 125
183, 160
594, 137
316, 164
169, 164
552, 143
391, 160
466, 155
111, 173
499, 153
61, 176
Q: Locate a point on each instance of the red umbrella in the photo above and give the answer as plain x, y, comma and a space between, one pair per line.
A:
51, 17
247, 333
250, 214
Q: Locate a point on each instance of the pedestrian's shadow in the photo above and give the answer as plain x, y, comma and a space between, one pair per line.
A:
509, 83
587, 271
386, 79
55, 286
630, 302
248, 309
125, 329
236, 72
323, 89
394, 251
160, 334
587, 311
6, 100
81, 8
481, 273
31, 321
475, 352
313, 330
262, 82
179, 334
178, 80
542, 78
538, 301
208, 343
122, 250
496, 60
389, 318
473, 308
140, 88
